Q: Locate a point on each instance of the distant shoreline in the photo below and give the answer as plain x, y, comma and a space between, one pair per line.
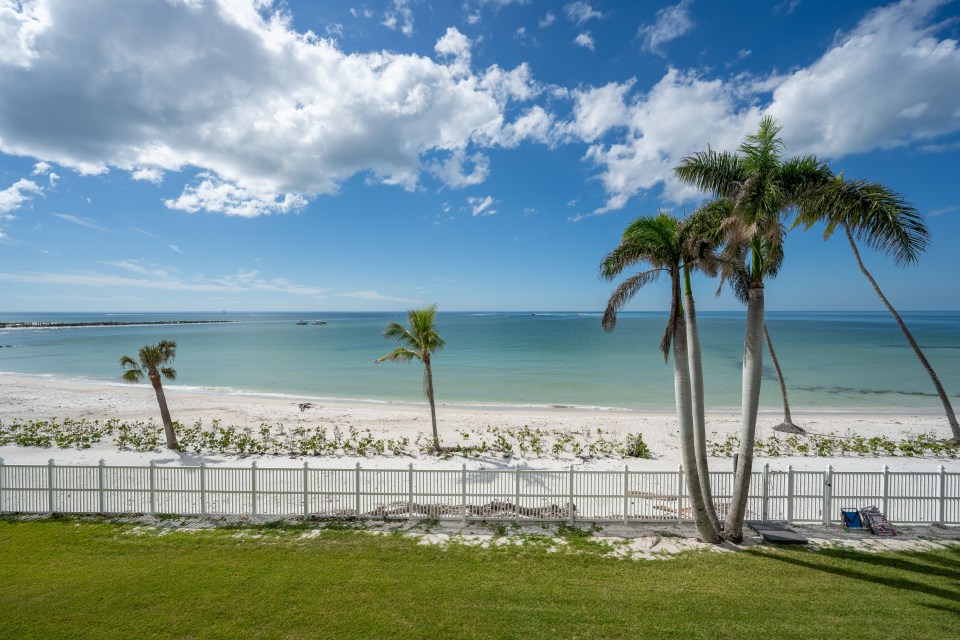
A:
102, 323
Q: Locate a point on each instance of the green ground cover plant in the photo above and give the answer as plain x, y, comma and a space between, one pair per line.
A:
82, 579
279, 440
831, 444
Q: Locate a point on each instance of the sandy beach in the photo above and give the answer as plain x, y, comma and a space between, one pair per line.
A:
27, 397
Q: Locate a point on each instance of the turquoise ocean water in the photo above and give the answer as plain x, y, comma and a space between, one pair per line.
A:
830, 360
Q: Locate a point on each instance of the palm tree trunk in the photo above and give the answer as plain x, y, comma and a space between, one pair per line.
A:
947, 407
787, 425
681, 379
428, 379
697, 404
752, 369
165, 414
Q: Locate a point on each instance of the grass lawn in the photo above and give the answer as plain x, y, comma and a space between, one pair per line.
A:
66, 579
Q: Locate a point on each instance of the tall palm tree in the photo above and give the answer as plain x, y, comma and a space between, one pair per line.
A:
153, 364
761, 188
419, 341
882, 219
663, 243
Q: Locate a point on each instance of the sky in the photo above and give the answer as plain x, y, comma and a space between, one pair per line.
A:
249, 155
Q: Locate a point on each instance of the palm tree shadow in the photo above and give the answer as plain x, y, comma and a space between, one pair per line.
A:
899, 563
185, 459
950, 593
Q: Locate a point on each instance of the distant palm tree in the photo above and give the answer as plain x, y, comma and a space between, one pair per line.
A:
668, 245
883, 220
153, 359
420, 340
787, 426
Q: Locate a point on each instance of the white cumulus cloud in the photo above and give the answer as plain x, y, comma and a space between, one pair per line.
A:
13, 197
271, 117
846, 102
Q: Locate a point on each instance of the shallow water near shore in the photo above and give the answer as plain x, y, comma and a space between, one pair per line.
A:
830, 360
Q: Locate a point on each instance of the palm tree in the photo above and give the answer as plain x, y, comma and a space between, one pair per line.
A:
787, 426
760, 187
153, 361
419, 341
883, 220
664, 243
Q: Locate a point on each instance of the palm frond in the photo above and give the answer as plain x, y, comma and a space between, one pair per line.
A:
721, 173
623, 293
648, 239
876, 215
400, 354
132, 375
169, 373
153, 357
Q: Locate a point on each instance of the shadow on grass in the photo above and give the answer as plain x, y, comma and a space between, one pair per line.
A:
883, 570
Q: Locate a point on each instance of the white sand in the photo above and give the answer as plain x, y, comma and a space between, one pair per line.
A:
35, 397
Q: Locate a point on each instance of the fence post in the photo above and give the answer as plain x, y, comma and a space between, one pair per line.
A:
827, 494
765, 502
571, 507
463, 487
2, 503
941, 503
410, 492
153, 487
626, 492
789, 494
306, 487
253, 487
680, 493
203, 487
356, 485
50, 465
886, 489
516, 506
101, 473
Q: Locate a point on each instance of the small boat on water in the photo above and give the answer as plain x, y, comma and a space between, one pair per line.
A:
302, 322
319, 322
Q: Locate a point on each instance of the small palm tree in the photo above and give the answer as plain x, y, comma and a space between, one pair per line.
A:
153, 361
419, 341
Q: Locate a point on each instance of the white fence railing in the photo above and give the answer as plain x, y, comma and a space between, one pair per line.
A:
520, 495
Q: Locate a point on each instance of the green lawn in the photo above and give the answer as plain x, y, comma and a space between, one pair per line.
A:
67, 579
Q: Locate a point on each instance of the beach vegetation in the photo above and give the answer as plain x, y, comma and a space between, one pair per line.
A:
419, 340
217, 438
81, 579
832, 445
153, 364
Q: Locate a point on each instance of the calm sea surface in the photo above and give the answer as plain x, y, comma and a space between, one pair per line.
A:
830, 360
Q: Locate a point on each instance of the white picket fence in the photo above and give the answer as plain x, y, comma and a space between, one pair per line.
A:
520, 495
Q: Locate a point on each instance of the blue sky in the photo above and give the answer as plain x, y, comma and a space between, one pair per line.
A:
248, 155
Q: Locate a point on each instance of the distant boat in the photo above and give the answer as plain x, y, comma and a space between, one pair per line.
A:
302, 322
319, 322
